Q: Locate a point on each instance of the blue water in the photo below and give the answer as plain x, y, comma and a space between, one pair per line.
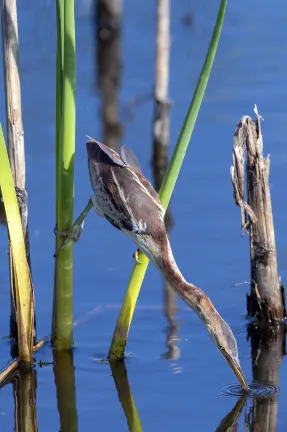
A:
250, 67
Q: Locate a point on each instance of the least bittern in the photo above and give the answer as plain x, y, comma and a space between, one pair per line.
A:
124, 196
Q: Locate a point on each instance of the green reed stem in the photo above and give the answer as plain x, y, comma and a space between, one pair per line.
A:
121, 331
62, 325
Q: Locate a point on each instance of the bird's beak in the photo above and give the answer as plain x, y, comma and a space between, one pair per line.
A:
234, 363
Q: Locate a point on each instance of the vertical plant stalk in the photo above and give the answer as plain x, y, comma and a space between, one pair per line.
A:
161, 129
266, 301
7, 373
23, 283
15, 133
62, 323
120, 335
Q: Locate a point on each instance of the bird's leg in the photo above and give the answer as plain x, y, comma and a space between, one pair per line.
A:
76, 229
136, 256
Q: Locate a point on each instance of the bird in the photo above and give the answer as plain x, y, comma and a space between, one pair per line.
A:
126, 198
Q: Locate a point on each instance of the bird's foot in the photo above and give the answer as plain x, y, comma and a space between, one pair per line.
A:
136, 256
74, 234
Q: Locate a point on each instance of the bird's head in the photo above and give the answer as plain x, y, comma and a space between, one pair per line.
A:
225, 341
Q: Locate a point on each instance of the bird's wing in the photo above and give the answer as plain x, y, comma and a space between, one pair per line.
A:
130, 158
135, 198
147, 185
125, 196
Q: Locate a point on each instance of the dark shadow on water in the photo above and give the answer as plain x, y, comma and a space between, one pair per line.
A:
267, 350
64, 373
120, 376
24, 390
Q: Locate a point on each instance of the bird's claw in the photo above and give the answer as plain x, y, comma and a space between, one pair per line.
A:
136, 256
73, 234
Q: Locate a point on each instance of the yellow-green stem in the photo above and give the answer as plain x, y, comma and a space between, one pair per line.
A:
62, 324
24, 293
121, 331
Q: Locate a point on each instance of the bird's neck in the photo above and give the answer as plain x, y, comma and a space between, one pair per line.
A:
190, 293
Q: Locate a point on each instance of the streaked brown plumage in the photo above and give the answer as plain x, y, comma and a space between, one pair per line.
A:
128, 201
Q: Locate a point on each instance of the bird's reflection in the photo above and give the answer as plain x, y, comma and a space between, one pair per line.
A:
64, 373
230, 422
24, 389
119, 373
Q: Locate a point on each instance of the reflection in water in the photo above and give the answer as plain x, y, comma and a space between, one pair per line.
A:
267, 349
64, 373
160, 163
107, 25
3, 220
24, 388
173, 351
119, 373
161, 126
230, 422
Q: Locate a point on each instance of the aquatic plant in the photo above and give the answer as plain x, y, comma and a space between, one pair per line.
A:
62, 325
23, 282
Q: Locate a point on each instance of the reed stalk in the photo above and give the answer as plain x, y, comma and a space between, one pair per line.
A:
62, 323
21, 275
7, 373
121, 331
15, 132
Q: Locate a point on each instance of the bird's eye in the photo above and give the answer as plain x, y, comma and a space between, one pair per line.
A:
221, 348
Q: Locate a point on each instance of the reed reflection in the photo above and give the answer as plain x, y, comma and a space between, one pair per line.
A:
267, 350
161, 132
64, 373
107, 27
120, 376
160, 163
24, 390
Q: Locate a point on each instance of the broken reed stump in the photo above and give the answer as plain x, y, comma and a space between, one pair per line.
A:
162, 103
266, 300
15, 134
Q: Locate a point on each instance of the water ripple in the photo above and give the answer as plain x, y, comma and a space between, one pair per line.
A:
255, 390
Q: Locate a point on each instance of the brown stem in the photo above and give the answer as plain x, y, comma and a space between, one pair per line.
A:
265, 300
